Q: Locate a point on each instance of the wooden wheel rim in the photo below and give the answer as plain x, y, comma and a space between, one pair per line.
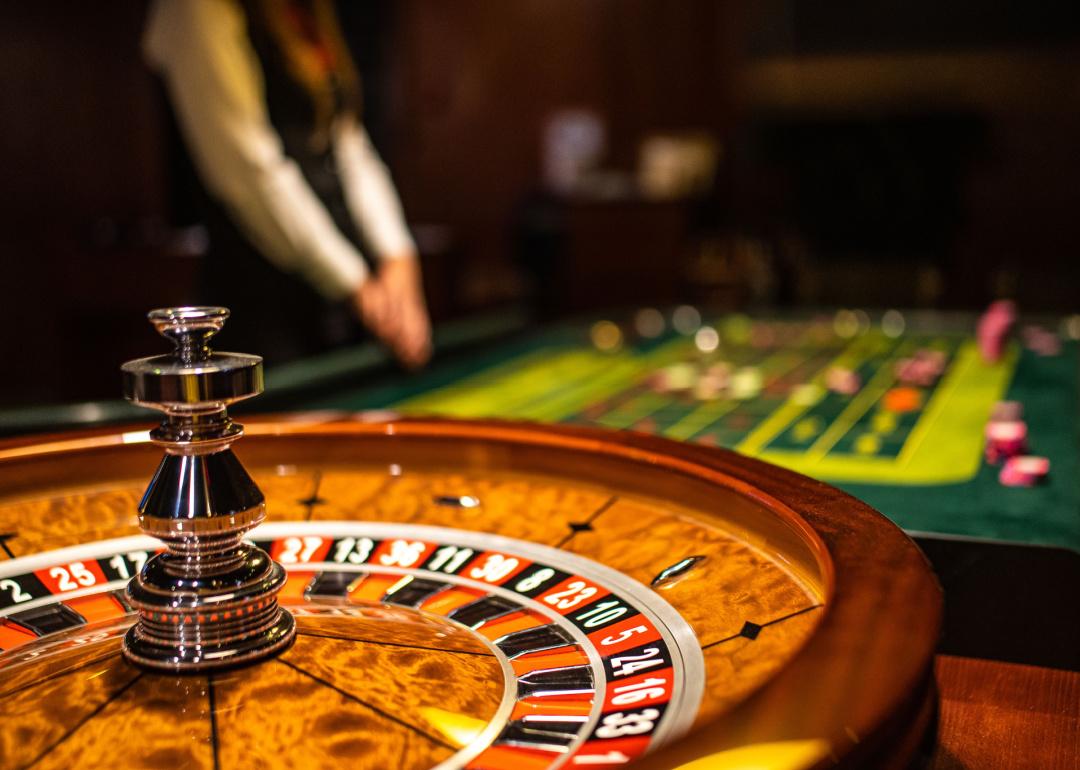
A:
860, 670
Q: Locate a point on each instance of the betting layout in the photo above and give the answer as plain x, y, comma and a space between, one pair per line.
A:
849, 398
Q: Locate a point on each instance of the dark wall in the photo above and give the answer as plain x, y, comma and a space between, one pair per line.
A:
808, 27
475, 80
931, 143
81, 133
93, 201
952, 126
83, 198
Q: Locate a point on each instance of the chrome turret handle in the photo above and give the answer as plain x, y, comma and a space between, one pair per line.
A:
193, 385
210, 600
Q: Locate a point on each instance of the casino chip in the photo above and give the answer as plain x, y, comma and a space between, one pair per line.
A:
902, 400
746, 383
922, 369
714, 382
840, 379
1024, 471
675, 377
1041, 340
1005, 439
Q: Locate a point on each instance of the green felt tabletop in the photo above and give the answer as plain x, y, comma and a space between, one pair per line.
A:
978, 506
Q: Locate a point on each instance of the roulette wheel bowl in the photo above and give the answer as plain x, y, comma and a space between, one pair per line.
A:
854, 689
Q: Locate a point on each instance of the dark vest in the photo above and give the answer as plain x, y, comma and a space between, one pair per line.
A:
278, 315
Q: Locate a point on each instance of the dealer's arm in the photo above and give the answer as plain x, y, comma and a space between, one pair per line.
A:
201, 48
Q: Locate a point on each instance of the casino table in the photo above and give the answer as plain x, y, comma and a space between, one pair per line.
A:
991, 546
922, 468
572, 572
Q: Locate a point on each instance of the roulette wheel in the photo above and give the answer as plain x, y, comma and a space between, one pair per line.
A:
386, 593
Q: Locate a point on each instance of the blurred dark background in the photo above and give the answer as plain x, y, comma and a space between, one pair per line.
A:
882, 153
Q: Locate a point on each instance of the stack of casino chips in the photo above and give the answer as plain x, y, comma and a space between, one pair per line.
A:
842, 380
674, 378
1041, 340
994, 327
713, 382
923, 368
1005, 439
707, 383
1006, 443
997, 323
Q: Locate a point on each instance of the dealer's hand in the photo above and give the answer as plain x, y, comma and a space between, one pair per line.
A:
405, 294
391, 304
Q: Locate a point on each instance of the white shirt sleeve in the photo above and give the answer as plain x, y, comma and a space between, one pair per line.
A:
202, 49
369, 192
